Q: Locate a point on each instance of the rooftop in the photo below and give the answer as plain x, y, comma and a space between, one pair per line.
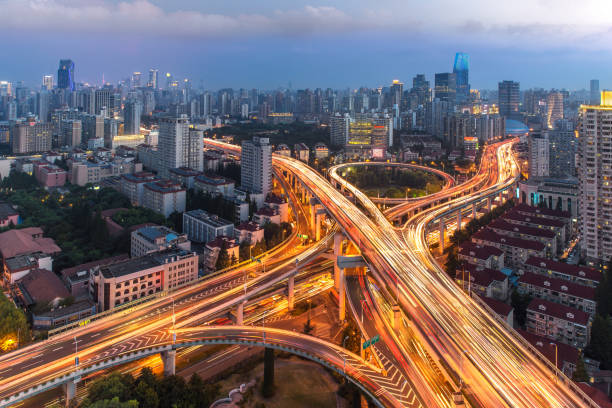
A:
559, 311
558, 285
79, 271
499, 307
144, 262
514, 215
210, 219
524, 208
154, 232
26, 241
483, 252
7, 210
184, 171
164, 187
249, 226
566, 269
140, 177
504, 225
487, 234
565, 351
42, 285
479, 275
213, 180
222, 242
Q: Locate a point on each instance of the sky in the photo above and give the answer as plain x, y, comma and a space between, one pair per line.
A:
268, 44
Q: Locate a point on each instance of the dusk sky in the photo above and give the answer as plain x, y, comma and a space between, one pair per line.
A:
267, 43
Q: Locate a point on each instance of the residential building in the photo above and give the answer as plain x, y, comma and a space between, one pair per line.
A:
302, 152
76, 278
31, 136
256, 166
509, 99
502, 309
266, 215
485, 282
582, 275
320, 151
595, 173
179, 145
184, 176
483, 255
283, 150
127, 281
555, 193
545, 236
201, 226
164, 197
222, 242
85, 171
215, 185
156, 238
516, 250
563, 145
71, 132
339, 130
554, 106
50, 176
132, 185
539, 154
558, 322
8, 215
249, 232
280, 205
131, 117
559, 291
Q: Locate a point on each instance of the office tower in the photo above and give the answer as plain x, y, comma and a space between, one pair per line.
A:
31, 136
562, 142
131, 117
110, 129
554, 107
595, 173
93, 127
256, 166
396, 90
71, 132
43, 105
421, 89
149, 103
461, 69
489, 127
103, 100
179, 145
595, 92
48, 82
446, 88
136, 79
539, 154
509, 99
5, 88
339, 130
169, 80
11, 110
65, 75
153, 78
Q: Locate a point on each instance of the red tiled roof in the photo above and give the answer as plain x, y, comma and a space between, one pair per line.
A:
559, 311
248, 225
221, 241
479, 251
499, 307
515, 215
479, 275
487, 234
565, 351
19, 242
596, 395
558, 285
89, 265
42, 285
524, 208
275, 199
564, 268
266, 211
501, 224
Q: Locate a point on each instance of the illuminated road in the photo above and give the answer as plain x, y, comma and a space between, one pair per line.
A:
495, 366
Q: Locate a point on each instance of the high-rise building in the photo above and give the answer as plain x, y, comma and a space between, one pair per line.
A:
397, 90
256, 166
31, 136
421, 89
65, 75
594, 87
539, 154
509, 99
136, 79
461, 69
562, 141
48, 82
179, 145
43, 105
595, 173
71, 132
339, 130
446, 87
554, 107
131, 117
153, 78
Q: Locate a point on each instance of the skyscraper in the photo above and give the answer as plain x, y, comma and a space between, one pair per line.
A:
461, 69
339, 130
65, 75
539, 154
554, 106
48, 82
131, 117
136, 79
153, 78
595, 92
509, 98
562, 142
594, 173
256, 166
397, 90
421, 89
446, 88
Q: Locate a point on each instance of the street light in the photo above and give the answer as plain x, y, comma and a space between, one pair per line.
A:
344, 356
556, 359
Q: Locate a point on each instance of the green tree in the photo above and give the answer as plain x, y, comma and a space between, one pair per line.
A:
268, 382
114, 385
172, 391
112, 403
580, 374
14, 329
223, 259
520, 304
601, 339
146, 395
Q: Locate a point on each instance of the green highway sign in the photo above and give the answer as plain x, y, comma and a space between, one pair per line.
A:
304, 236
371, 342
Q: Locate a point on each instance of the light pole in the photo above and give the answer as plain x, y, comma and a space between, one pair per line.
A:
76, 352
556, 359
263, 326
344, 356
173, 323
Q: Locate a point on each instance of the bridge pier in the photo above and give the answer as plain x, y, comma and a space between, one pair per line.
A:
291, 292
442, 226
501, 197
474, 211
338, 238
459, 219
240, 313
319, 217
397, 318
69, 392
489, 203
169, 359
341, 297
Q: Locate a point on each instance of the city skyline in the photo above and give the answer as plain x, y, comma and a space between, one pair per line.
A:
271, 44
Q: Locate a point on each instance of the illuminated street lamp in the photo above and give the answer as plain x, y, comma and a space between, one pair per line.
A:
556, 359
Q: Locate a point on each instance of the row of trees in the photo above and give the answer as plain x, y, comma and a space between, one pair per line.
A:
14, 327
600, 346
148, 391
376, 176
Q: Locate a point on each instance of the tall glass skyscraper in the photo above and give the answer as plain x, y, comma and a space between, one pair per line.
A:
461, 69
65, 75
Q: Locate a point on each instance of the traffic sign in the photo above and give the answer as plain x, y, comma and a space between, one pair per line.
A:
371, 342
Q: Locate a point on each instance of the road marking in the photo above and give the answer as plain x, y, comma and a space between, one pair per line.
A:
95, 335
4, 371
59, 348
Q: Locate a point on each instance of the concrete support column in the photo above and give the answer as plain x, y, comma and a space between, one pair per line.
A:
442, 235
169, 359
361, 350
397, 318
341, 297
501, 197
69, 392
291, 292
474, 211
338, 238
459, 219
318, 221
240, 314
489, 203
